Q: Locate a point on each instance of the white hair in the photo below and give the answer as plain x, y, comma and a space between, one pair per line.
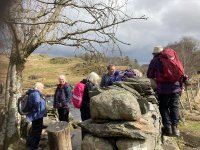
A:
93, 77
62, 77
38, 84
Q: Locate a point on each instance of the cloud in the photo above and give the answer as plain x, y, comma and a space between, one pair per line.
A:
56, 51
168, 21
183, 18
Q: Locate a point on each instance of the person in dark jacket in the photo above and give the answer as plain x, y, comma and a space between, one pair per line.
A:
168, 95
91, 83
109, 77
62, 98
38, 104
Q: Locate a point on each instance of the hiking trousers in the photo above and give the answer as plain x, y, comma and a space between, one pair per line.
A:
85, 114
169, 109
35, 134
63, 114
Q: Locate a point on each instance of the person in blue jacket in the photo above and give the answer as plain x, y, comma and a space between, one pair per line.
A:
108, 78
62, 98
37, 102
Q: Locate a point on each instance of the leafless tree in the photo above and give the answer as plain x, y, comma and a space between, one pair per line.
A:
31, 23
188, 51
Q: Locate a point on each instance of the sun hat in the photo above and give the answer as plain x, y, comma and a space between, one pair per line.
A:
157, 49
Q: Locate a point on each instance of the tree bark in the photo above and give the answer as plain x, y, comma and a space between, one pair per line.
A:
11, 125
59, 136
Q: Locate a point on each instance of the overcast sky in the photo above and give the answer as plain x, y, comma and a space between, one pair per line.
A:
168, 21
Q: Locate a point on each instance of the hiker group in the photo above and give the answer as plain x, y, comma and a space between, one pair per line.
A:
165, 72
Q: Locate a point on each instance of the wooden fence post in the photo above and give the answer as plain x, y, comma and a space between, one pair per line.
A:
59, 136
192, 93
188, 98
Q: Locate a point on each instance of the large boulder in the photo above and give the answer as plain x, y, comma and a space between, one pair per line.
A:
95, 143
127, 86
144, 105
115, 105
152, 99
141, 129
130, 144
141, 85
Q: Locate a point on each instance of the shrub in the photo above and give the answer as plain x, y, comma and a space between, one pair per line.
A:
34, 77
59, 60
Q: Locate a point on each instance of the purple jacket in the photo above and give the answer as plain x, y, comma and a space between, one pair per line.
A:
156, 69
62, 96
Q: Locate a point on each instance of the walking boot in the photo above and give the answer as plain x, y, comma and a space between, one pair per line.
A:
175, 131
167, 131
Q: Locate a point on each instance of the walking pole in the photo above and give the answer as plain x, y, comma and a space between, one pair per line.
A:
197, 89
188, 98
181, 104
181, 113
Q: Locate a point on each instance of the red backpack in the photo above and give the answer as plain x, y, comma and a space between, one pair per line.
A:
77, 96
172, 68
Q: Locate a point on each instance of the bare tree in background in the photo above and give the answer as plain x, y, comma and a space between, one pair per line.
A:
187, 49
83, 24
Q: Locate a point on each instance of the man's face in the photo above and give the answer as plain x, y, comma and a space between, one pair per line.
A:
62, 81
111, 70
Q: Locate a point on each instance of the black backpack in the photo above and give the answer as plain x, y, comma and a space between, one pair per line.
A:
23, 105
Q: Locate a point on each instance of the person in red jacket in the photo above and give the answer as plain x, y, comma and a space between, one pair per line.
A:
168, 95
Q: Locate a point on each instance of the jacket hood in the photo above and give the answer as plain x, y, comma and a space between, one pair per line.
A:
84, 81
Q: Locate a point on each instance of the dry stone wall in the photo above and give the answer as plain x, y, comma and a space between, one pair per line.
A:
125, 116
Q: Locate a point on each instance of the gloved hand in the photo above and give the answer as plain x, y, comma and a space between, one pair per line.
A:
186, 80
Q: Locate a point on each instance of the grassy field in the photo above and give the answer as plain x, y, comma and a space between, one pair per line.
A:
41, 68
190, 135
45, 69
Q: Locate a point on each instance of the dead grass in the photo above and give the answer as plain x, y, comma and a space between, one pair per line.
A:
40, 65
47, 72
190, 129
190, 135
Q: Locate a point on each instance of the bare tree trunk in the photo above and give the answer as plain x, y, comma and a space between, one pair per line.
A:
12, 118
6, 99
7, 89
